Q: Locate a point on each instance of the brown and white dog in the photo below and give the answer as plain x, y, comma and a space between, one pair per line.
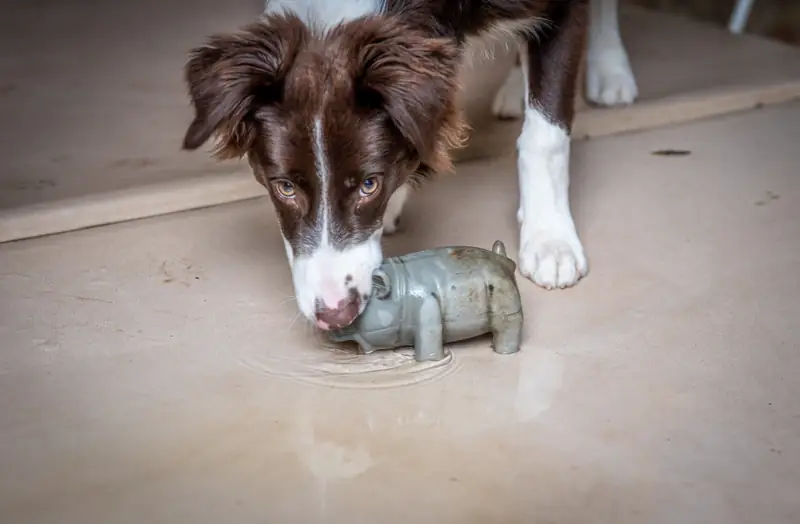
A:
343, 106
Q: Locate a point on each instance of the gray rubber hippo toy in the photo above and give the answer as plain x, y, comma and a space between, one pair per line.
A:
433, 297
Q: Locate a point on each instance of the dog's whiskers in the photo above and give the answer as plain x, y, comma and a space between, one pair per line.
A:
294, 320
286, 300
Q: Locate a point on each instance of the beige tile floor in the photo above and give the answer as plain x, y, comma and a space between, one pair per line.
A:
153, 371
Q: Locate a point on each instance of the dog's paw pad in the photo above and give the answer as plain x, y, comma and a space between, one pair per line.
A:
552, 262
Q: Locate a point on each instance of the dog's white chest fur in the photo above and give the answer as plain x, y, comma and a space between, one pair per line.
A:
324, 13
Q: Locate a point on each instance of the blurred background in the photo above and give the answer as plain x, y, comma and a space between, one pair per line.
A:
777, 19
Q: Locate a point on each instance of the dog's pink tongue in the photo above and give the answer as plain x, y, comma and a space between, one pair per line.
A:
323, 325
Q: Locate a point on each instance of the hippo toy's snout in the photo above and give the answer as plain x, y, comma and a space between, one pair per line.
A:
351, 334
345, 334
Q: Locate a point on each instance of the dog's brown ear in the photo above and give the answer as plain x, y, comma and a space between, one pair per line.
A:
231, 77
414, 78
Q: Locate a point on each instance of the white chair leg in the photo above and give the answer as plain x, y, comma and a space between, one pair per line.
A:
741, 13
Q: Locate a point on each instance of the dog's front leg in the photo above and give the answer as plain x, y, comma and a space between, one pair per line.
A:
609, 78
551, 253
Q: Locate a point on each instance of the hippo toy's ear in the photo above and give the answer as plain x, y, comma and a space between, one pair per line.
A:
381, 284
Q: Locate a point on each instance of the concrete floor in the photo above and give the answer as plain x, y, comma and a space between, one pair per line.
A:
154, 371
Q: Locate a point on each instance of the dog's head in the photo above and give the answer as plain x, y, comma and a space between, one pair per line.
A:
332, 123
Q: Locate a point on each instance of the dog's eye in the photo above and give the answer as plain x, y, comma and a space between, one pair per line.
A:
285, 189
370, 185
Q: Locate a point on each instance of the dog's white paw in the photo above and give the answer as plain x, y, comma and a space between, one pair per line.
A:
552, 261
391, 219
394, 208
609, 78
509, 101
390, 227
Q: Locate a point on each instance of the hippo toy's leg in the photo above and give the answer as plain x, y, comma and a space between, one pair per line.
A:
428, 343
507, 333
364, 347
505, 316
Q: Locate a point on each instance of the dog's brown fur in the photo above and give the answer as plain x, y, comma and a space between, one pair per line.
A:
334, 120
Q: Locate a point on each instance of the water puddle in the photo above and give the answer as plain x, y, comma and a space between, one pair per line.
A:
334, 366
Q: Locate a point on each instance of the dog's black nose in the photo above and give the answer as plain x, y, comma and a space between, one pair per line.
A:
340, 316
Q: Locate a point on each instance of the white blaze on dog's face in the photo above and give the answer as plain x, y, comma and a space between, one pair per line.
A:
332, 269
332, 124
